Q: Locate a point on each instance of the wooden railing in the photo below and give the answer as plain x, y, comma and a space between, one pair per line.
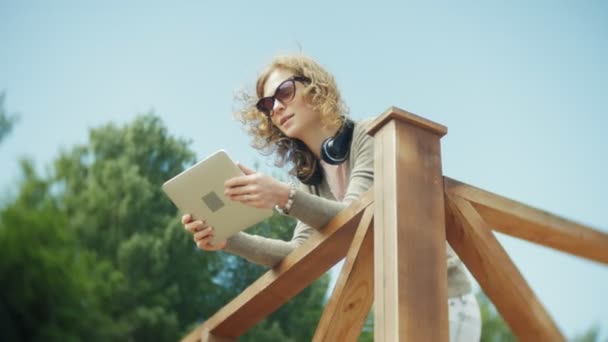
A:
400, 265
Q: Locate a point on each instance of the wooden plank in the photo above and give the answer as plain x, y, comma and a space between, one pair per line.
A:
410, 251
531, 224
496, 273
298, 270
353, 294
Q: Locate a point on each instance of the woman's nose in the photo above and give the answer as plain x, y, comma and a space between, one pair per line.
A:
278, 107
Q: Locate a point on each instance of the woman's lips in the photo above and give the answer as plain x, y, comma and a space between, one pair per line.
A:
284, 119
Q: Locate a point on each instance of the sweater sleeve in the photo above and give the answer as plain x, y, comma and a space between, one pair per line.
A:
311, 211
266, 251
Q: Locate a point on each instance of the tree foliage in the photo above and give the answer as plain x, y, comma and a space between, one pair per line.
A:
6, 121
94, 250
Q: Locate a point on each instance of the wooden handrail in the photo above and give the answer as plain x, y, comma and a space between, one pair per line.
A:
531, 224
415, 209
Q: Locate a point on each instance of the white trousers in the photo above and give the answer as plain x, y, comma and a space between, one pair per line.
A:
465, 319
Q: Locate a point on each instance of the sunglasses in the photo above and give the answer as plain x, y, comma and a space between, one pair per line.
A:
285, 92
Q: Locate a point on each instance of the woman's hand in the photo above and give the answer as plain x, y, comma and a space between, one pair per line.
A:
202, 234
256, 189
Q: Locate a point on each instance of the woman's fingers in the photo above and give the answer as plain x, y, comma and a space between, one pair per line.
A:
235, 182
246, 198
202, 234
241, 190
205, 233
195, 226
203, 241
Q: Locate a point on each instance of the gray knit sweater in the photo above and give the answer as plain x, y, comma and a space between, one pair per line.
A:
314, 211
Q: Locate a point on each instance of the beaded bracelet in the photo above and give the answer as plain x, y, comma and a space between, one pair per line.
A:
289, 203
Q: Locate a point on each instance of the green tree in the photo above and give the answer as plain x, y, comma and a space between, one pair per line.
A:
110, 190
118, 261
6, 121
47, 282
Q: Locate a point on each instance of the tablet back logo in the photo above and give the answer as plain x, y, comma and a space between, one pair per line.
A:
213, 201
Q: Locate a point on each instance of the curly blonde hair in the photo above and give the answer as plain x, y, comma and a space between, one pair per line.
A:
324, 96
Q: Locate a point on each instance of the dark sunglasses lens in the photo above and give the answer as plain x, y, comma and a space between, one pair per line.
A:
265, 105
286, 91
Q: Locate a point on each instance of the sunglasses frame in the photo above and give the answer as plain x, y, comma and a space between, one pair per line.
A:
293, 79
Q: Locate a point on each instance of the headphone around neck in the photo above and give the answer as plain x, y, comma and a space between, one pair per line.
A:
334, 151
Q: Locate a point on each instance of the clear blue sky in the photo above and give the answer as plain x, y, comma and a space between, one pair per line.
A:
521, 86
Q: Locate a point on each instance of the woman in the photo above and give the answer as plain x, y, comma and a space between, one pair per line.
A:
299, 115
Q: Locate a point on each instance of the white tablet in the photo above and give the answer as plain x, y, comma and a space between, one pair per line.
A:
199, 191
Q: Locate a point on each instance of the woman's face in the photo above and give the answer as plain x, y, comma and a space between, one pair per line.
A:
295, 117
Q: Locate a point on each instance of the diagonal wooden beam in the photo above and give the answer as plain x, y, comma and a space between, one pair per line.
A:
353, 295
531, 224
298, 270
496, 273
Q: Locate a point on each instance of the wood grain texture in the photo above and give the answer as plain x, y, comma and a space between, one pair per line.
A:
496, 273
409, 248
531, 224
353, 294
298, 270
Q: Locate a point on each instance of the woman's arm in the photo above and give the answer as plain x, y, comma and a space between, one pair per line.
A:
313, 212
266, 251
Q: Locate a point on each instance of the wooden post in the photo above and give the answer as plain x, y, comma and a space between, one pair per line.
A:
409, 241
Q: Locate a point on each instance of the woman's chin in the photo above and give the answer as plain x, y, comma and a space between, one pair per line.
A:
289, 129
288, 133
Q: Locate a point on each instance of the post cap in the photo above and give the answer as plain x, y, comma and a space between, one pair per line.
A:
405, 116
